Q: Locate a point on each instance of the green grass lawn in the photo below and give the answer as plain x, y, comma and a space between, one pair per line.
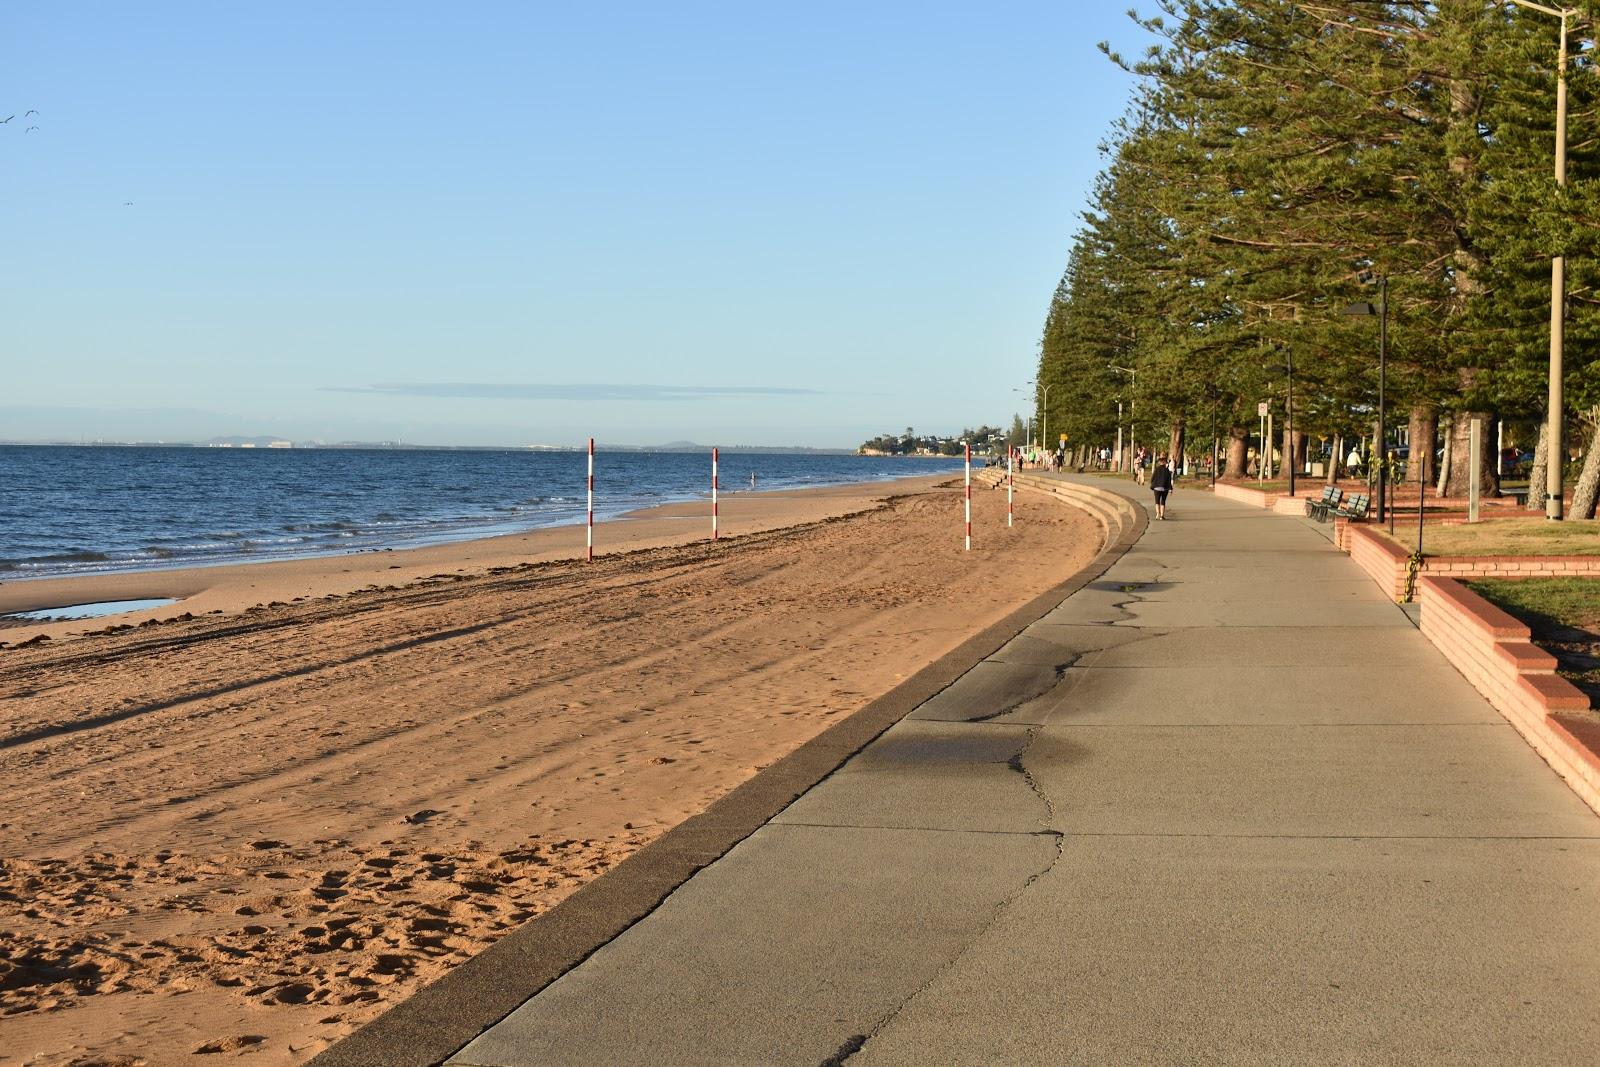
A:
1550, 604
1532, 536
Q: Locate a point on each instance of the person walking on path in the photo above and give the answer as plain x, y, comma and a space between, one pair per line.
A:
1139, 461
1161, 485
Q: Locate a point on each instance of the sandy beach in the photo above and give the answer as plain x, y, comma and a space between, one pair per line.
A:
247, 822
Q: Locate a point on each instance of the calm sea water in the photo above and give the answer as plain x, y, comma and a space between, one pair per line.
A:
96, 510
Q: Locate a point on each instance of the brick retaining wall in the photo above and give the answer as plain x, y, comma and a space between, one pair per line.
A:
1382, 559
1239, 494
1386, 562
1491, 649
1514, 566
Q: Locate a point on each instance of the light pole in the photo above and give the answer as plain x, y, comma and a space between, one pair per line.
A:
1213, 442
1382, 311
1558, 279
1044, 420
1133, 392
1029, 430
1119, 435
1288, 419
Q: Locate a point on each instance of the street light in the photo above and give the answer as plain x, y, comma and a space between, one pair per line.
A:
1119, 435
1133, 391
1213, 442
1044, 419
1288, 418
1382, 311
1029, 430
1558, 278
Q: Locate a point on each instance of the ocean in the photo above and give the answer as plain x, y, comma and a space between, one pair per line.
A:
97, 510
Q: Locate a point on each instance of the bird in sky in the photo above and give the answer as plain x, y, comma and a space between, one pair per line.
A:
7, 119
30, 112
30, 129
127, 203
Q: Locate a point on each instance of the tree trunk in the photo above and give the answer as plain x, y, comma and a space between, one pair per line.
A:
1238, 452
1335, 459
1421, 429
1373, 450
1541, 465
1587, 492
1175, 445
1294, 453
1458, 475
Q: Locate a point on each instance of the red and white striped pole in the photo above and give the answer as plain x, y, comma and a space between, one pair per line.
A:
969, 496
591, 500
713, 494
1011, 481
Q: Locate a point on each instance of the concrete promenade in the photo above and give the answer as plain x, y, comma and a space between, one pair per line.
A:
1223, 805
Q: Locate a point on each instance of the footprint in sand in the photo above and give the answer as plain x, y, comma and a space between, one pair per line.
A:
229, 1044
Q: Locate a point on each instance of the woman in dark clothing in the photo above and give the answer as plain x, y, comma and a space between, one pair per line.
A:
1161, 483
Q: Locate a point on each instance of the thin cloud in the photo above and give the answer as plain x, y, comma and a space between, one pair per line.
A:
490, 391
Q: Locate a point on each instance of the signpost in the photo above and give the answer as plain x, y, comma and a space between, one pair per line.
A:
1262, 456
1475, 436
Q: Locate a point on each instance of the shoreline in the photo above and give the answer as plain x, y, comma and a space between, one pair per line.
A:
228, 588
180, 542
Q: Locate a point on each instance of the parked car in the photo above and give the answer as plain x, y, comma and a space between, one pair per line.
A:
1404, 452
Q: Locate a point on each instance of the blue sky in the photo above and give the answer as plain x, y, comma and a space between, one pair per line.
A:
441, 222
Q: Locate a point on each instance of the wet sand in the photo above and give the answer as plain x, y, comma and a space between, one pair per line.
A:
245, 833
234, 587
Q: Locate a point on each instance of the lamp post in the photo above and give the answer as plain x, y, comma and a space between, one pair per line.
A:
1558, 279
1288, 419
1213, 442
1119, 435
1044, 420
1382, 311
1133, 392
1029, 430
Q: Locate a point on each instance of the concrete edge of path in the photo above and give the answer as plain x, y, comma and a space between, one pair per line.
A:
439, 1019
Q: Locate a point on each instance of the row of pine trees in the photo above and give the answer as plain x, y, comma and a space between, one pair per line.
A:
1276, 159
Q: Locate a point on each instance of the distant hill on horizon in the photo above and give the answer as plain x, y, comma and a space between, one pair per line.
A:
264, 441
690, 446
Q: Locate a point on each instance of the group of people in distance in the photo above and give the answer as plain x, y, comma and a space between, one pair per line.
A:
1158, 469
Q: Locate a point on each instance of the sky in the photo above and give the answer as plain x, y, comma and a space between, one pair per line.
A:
529, 223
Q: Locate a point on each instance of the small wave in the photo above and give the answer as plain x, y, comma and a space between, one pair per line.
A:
81, 555
330, 526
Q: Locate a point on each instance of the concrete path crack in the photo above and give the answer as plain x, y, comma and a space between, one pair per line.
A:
1061, 670
1017, 763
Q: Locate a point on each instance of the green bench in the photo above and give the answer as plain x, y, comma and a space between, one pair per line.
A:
1318, 509
1356, 510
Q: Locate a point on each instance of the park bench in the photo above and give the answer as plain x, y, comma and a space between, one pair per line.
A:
1318, 509
1356, 510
